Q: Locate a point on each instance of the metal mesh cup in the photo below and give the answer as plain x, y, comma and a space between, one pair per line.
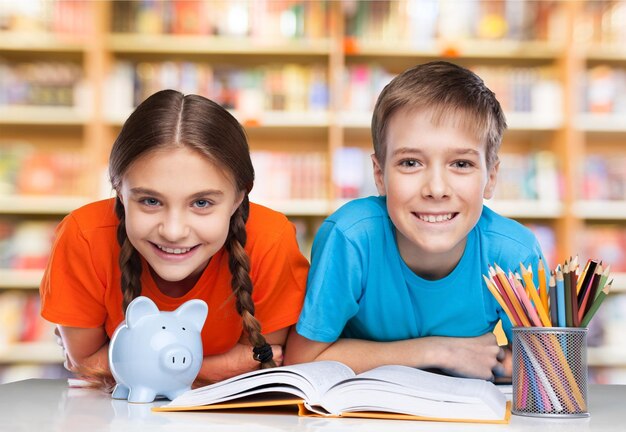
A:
550, 372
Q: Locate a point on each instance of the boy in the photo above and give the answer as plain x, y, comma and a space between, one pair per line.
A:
397, 279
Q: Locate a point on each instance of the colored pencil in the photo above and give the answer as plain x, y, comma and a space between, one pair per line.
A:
494, 291
581, 276
560, 297
591, 292
512, 296
528, 280
536, 365
588, 276
530, 310
515, 319
574, 297
596, 304
543, 291
568, 295
553, 300
603, 279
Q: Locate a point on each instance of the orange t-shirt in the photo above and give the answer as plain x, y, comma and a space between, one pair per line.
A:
81, 285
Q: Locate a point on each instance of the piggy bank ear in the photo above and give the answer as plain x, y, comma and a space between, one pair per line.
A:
139, 308
194, 311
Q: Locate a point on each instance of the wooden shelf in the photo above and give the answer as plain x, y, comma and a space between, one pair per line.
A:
131, 43
601, 122
516, 121
600, 210
43, 115
526, 209
606, 52
534, 121
607, 356
40, 42
300, 207
31, 352
40, 205
20, 279
461, 49
266, 119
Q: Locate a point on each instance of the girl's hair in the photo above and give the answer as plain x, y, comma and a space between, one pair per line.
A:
170, 119
448, 92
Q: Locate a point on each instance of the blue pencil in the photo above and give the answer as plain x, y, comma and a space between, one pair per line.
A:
560, 297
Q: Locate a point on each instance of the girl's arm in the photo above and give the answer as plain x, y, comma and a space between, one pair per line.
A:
239, 359
86, 350
478, 357
87, 354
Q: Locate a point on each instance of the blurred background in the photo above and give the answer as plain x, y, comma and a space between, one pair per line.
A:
302, 76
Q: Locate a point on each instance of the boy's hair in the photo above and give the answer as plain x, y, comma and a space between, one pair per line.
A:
169, 119
447, 91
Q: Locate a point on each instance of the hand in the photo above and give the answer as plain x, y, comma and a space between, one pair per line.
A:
234, 362
505, 368
477, 357
277, 350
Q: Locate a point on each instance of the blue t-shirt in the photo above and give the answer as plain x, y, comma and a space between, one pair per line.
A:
360, 287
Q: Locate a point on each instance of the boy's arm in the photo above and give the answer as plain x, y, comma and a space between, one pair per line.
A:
477, 357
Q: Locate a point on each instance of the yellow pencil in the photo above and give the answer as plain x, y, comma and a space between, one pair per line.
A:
543, 289
494, 291
528, 280
581, 277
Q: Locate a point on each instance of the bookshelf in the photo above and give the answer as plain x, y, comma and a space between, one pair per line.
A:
345, 50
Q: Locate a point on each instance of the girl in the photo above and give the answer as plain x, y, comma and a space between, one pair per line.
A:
180, 227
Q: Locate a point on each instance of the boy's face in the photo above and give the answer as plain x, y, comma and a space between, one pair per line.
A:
435, 178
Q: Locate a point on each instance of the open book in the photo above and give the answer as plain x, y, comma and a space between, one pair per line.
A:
330, 388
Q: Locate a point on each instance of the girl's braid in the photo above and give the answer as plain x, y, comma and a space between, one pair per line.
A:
129, 260
239, 264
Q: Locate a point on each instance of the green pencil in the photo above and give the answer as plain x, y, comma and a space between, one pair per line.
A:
596, 304
603, 278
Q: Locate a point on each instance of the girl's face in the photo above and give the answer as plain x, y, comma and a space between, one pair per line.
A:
178, 206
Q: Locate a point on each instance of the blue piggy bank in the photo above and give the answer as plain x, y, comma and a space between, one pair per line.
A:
154, 353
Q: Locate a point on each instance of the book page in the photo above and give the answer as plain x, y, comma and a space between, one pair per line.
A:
307, 381
412, 391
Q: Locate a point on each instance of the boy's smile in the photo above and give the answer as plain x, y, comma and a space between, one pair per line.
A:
435, 178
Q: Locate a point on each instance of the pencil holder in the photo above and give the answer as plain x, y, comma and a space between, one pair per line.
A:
550, 372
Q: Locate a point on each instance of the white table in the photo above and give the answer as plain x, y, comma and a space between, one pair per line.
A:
50, 405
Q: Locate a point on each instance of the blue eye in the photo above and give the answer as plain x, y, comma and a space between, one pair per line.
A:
202, 204
152, 202
409, 163
463, 164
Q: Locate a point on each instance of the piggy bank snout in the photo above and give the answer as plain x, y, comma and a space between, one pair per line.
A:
176, 358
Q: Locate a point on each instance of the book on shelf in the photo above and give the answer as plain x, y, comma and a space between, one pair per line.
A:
267, 87
332, 389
